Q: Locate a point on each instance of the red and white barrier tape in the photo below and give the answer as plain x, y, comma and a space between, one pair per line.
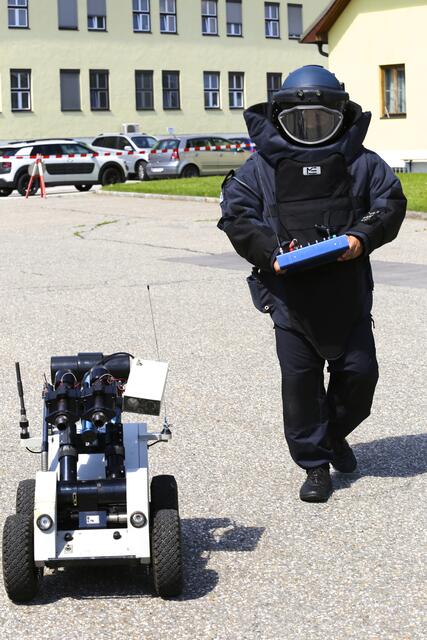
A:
222, 147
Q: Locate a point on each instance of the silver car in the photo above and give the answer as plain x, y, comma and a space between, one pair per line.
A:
139, 143
187, 157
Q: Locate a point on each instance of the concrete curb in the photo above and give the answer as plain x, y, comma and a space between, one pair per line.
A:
419, 215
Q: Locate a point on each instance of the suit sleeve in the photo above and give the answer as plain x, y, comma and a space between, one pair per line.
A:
387, 206
242, 219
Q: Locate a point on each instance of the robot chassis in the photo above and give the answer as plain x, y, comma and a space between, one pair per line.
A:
91, 503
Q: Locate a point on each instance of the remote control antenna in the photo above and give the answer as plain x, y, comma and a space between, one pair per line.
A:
166, 425
23, 421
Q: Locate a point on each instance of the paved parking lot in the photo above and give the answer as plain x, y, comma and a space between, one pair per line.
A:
259, 562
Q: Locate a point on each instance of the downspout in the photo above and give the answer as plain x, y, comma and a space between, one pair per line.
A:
320, 48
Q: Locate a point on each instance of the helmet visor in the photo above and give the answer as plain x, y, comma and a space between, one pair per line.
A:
310, 124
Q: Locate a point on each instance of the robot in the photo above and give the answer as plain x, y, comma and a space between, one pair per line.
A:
91, 502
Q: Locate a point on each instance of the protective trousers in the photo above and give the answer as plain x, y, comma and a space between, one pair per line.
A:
313, 415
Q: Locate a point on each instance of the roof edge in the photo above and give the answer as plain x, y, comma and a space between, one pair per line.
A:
317, 32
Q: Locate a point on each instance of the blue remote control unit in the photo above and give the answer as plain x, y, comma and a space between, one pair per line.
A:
314, 254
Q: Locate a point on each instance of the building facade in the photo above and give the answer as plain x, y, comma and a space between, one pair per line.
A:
378, 48
81, 67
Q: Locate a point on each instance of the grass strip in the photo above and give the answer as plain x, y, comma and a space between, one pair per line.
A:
414, 186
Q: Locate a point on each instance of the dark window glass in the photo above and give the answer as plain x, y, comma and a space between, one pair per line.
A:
46, 149
144, 90
272, 19
209, 17
67, 14
170, 85
167, 16
20, 89
167, 143
70, 90
17, 14
141, 15
143, 142
274, 82
394, 90
99, 92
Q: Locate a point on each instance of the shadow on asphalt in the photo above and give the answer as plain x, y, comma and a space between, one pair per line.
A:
395, 457
201, 537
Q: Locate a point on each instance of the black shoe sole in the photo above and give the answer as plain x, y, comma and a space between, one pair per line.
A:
315, 498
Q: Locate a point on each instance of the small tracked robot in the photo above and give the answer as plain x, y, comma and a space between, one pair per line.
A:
91, 502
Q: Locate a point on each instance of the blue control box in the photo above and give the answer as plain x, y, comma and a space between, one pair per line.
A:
313, 254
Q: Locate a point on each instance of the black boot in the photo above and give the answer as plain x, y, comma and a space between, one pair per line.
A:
343, 458
318, 485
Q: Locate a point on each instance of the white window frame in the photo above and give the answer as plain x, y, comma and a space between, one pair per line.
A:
96, 91
23, 88
234, 28
209, 17
168, 91
168, 16
272, 19
96, 23
236, 88
141, 14
16, 9
211, 89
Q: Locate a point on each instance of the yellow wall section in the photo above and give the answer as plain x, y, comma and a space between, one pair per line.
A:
370, 33
45, 50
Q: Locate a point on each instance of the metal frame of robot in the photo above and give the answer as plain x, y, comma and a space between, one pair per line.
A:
129, 544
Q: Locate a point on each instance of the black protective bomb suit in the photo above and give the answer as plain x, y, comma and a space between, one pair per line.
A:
322, 313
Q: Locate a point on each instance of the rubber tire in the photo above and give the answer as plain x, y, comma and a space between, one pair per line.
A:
164, 493
25, 497
111, 175
83, 187
166, 553
5, 191
141, 175
20, 574
190, 171
22, 185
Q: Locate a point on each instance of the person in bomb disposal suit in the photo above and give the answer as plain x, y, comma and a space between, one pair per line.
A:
311, 178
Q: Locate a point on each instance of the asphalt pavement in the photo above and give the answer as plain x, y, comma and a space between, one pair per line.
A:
260, 564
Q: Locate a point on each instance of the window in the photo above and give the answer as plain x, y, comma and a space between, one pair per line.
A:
17, 14
272, 24
234, 17
70, 89
235, 90
141, 15
99, 93
144, 90
393, 90
209, 17
294, 21
67, 14
20, 88
167, 16
96, 15
274, 82
211, 89
170, 85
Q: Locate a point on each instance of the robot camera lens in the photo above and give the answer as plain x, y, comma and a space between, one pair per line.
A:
138, 519
44, 522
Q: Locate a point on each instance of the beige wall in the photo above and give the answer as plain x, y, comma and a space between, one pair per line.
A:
46, 50
370, 33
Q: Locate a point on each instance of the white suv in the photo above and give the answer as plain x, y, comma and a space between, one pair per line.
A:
66, 162
139, 144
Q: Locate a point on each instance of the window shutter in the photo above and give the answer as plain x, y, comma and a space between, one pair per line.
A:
294, 20
67, 14
96, 8
234, 12
70, 90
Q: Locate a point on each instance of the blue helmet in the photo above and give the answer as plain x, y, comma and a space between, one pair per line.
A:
309, 108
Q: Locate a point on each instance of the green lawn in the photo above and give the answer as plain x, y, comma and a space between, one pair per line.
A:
414, 186
415, 189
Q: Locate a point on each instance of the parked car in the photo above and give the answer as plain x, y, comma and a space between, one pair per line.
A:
139, 143
168, 157
242, 140
65, 165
